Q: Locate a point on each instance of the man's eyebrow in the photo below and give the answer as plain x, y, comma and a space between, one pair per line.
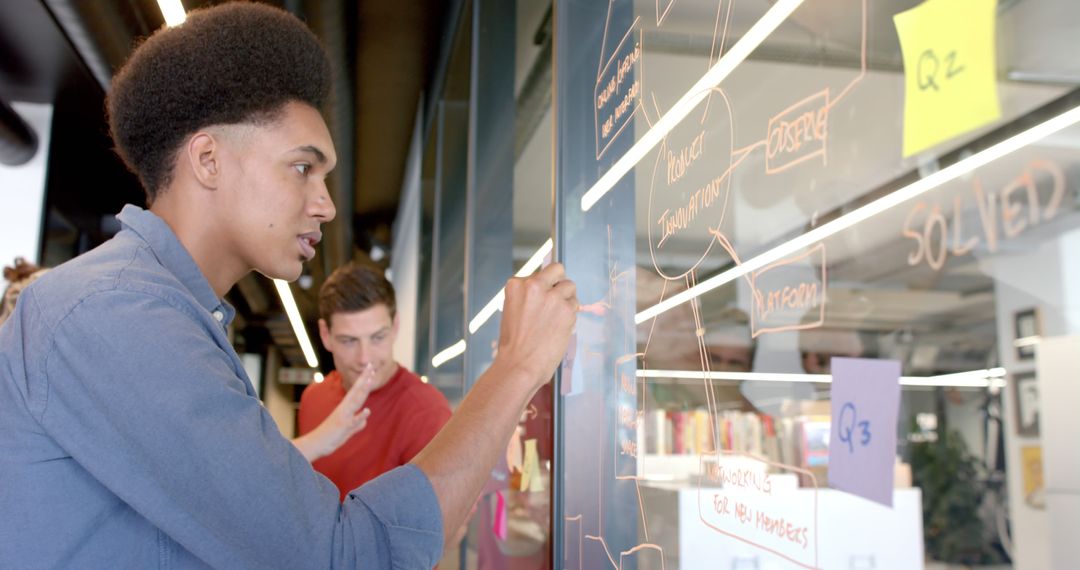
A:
319, 155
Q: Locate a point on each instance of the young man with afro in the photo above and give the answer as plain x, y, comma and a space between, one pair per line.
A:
130, 435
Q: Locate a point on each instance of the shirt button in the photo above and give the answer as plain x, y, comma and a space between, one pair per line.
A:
219, 316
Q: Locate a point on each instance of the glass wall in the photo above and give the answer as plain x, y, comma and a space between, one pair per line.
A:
487, 212
828, 254
449, 117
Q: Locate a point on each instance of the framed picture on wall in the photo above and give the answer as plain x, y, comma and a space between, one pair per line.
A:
1028, 330
1026, 396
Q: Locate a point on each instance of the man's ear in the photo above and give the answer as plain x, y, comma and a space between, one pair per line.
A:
203, 153
324, 333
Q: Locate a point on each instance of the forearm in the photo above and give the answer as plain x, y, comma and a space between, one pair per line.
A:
310, 446
538, 315
459, 460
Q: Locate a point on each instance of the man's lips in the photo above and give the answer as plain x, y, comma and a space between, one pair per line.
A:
308, 242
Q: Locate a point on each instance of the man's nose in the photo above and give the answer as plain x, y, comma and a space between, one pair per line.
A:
363, 353
321, 206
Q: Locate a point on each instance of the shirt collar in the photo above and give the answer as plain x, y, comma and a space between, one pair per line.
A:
168, 250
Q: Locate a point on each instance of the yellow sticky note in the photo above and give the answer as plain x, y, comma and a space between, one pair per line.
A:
536, 482
530, 472
527, 465
950, 70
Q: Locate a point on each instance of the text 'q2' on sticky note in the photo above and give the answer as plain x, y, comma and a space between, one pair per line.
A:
950, 70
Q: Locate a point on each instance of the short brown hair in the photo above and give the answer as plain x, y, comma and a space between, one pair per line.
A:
355, 287
20, 277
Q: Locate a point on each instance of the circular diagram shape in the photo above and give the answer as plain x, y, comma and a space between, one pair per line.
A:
691, 182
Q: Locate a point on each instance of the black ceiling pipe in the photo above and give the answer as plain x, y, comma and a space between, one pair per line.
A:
18, 142
103, 33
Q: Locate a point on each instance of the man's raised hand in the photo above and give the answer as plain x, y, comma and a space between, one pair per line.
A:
349, 417
539, 313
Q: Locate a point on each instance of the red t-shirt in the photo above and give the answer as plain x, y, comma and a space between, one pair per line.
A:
405, 415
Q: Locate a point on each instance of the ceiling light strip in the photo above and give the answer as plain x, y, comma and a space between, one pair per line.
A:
736, 55
759, 376
289, 303
882, 204
448, 354
535, 260
173, 11
496, 302
970, 379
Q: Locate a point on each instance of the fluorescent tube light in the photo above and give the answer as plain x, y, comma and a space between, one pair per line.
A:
448, 354
971, 379
297, 323
739, 52
173, 10
760, 376
874, 208
537, 258
496, 302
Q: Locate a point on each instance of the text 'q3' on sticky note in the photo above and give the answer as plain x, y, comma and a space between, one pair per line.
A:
950, 70
865, 398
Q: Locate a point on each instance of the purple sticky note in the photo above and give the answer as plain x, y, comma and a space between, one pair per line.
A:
862, 440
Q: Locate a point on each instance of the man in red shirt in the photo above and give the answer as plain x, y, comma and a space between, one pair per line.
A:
358, 324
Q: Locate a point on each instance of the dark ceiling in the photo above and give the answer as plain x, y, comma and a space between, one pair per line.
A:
383, 53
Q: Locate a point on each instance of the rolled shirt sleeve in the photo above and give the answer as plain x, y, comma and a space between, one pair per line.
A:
402, 500
156, 410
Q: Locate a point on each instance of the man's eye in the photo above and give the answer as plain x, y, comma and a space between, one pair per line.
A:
302, 168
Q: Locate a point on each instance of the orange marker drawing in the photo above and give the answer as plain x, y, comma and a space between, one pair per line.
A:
615, 103
808, 538
576, 519
798, 134
667, 8
790, 300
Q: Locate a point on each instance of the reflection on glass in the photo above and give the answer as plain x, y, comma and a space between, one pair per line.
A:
822, 196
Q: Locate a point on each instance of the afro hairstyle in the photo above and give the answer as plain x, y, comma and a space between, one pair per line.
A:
229, 64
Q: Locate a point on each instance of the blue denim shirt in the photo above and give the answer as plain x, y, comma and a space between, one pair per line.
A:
131, 437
